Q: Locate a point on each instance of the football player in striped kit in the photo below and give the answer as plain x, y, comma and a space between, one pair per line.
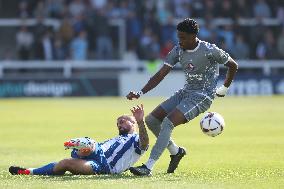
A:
89, 157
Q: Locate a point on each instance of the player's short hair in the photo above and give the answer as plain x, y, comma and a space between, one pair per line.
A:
188, 25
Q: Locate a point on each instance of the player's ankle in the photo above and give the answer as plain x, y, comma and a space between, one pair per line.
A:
150, 164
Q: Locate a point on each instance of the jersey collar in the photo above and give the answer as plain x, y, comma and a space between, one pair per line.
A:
195, 49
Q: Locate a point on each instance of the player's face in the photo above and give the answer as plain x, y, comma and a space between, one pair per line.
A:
185, 40
125, 125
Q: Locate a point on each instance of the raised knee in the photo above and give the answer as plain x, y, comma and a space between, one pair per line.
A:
151, 121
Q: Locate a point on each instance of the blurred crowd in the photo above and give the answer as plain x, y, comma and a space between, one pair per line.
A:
87, 31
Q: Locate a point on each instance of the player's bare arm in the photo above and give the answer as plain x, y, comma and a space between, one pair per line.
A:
232, 69
138, 113
152, 83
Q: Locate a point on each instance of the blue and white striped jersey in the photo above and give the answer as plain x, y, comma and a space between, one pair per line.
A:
122, 152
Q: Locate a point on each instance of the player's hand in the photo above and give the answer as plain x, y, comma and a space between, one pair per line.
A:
221, 91
138, 113
132, 95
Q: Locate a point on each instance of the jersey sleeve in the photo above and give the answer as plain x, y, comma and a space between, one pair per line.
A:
173, 57
219, 55
137, 146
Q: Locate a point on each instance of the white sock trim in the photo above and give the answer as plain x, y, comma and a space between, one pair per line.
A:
31, 170
173, 149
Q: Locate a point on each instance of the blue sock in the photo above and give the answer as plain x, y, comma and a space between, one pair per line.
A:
45, 170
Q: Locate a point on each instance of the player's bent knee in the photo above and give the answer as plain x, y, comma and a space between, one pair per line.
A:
149, 120
159, 113
177, 117
152, 122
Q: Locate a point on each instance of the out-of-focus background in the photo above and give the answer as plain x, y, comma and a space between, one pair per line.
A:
107, 47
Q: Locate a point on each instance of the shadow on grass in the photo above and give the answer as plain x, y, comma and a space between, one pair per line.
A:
123, 176
68, 177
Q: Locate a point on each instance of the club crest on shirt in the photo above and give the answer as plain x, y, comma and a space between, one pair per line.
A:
190, 67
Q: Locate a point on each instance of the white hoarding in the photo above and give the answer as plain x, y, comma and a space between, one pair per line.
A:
135, 81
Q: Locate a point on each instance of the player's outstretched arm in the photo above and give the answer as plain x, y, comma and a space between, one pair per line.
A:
152, 83
138, 113
232, 69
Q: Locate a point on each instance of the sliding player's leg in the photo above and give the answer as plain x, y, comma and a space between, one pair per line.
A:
44, 170
73, 165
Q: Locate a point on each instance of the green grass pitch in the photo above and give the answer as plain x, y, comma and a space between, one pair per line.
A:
248, 154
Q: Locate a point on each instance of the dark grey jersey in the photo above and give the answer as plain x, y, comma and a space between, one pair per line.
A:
200, 66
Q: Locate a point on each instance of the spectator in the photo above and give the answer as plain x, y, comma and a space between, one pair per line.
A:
65, 31
228, 35
206, 31
134, 28
242, 9
280, 14
7, 54
280, 43
41, 10
226, 9
266, 48
160, 17
130, 54
24, 41
163, 14
104, 45
241, 49
256, 34
154, 48
209, 7
261, 9
180, 8
76, 7
48, 46
79, 46
39, 29
112, 10
79, 23
198, 8
98, 4
23, 9
168, 30
60, 53
123, 9
54, 8
145, 43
